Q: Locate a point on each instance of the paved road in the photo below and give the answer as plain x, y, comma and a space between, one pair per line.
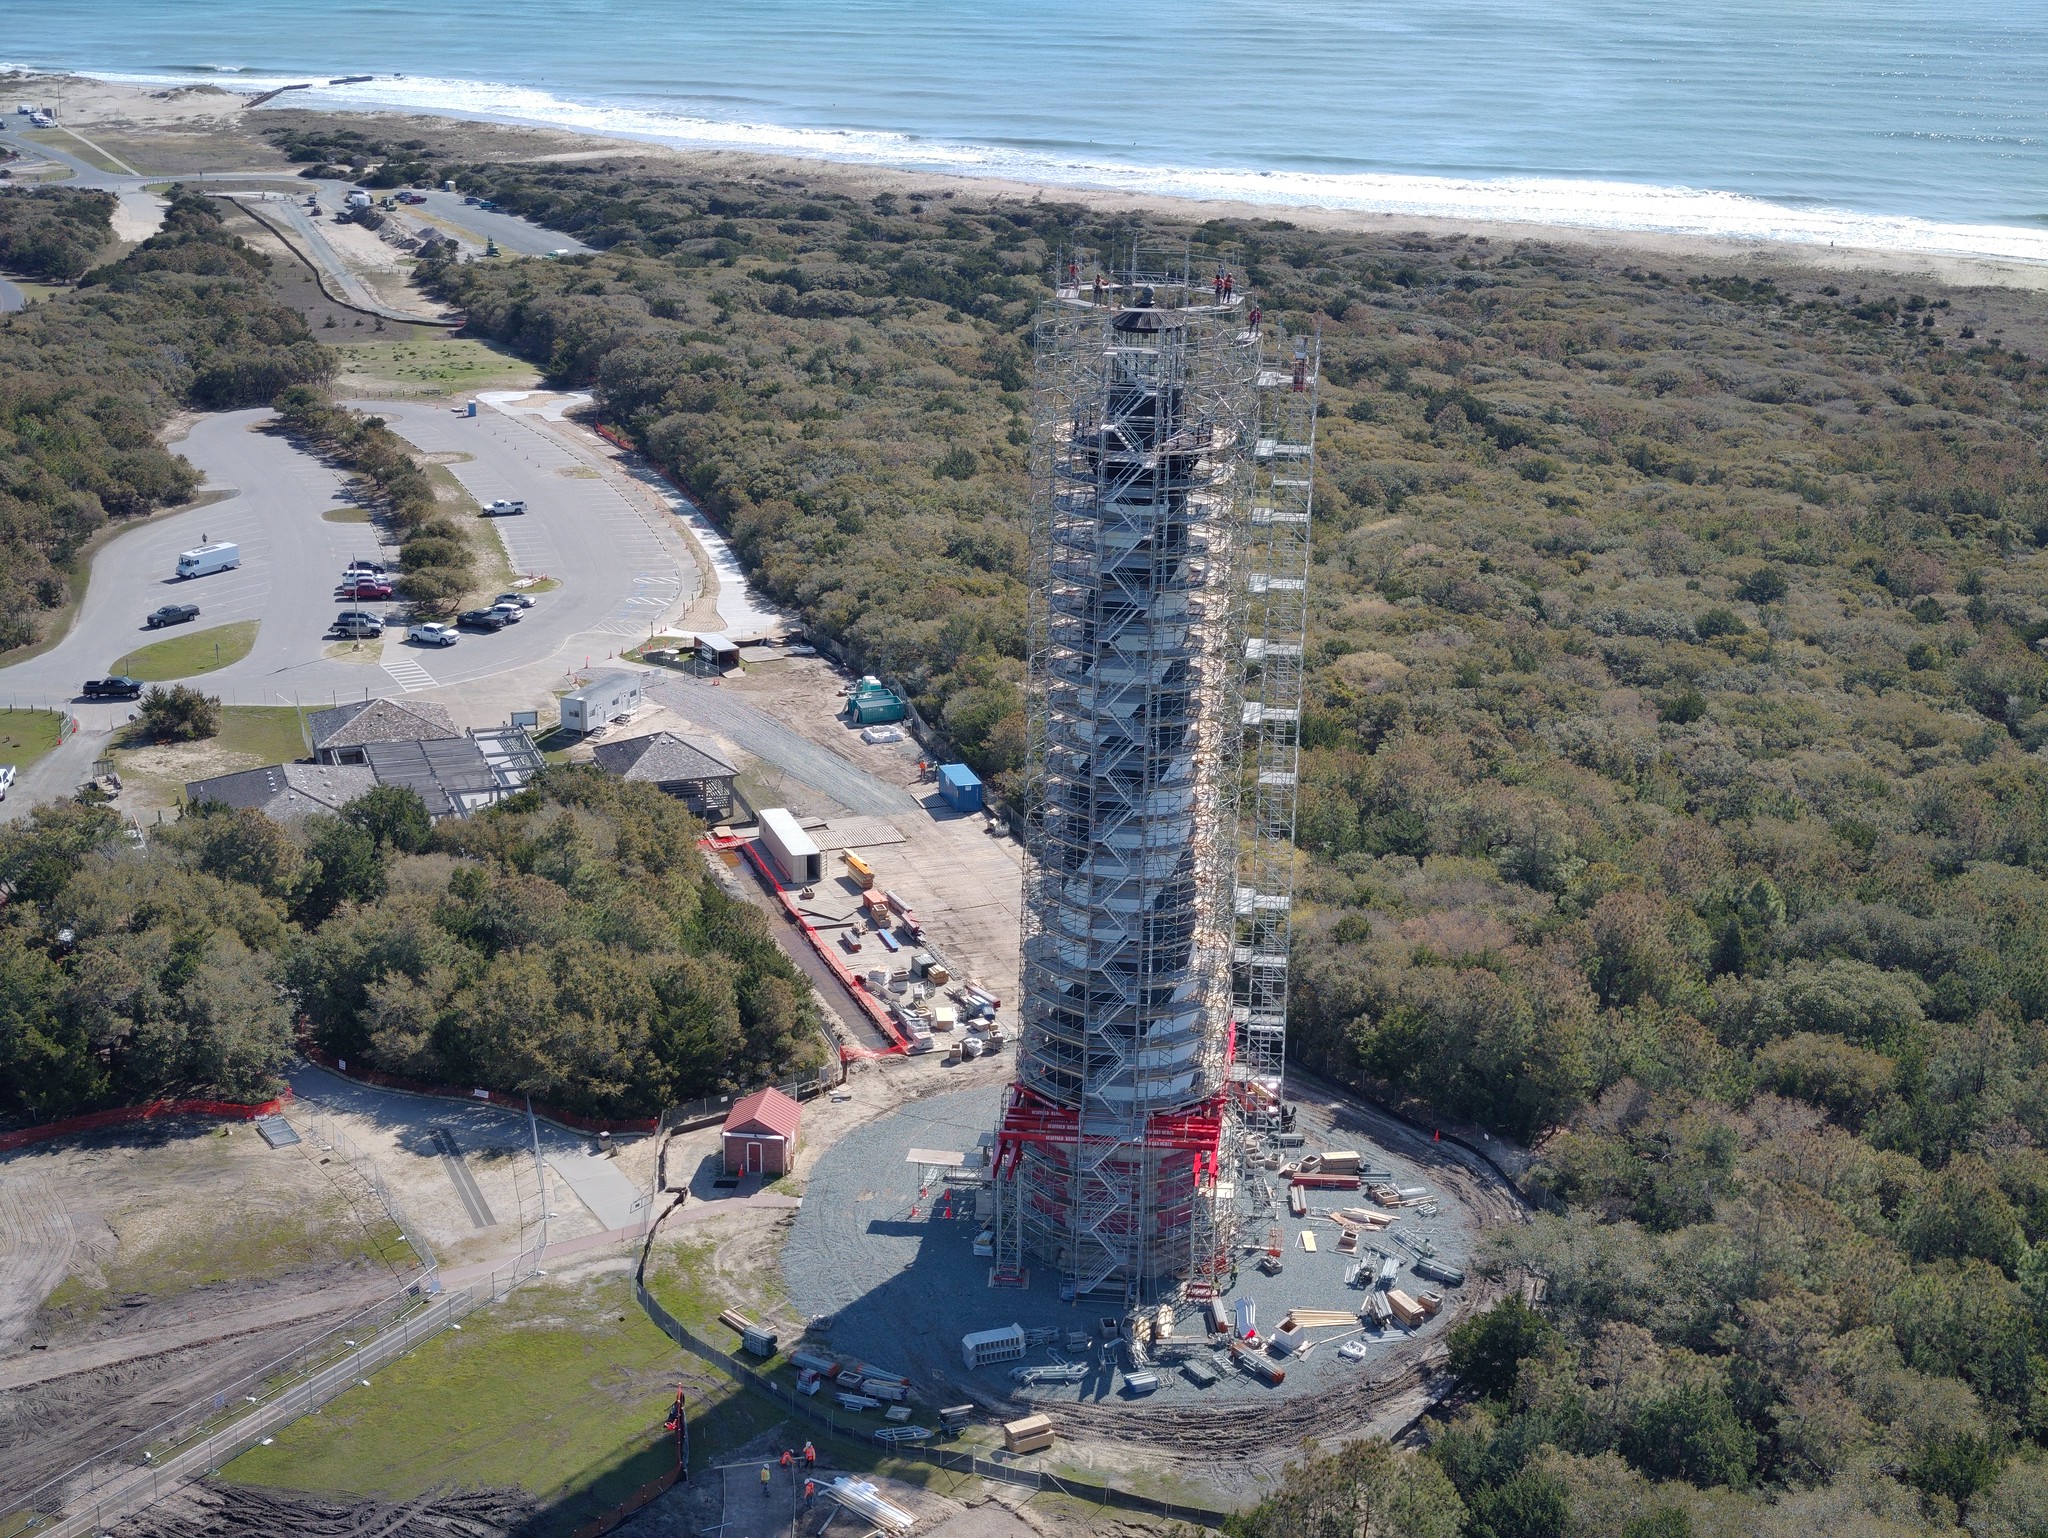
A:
11, 298
768, 739
513, 234
621, 571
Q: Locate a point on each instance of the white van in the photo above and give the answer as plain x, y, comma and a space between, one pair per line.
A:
208, 559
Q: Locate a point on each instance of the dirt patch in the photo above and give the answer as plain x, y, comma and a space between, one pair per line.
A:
197, 1257
354, 651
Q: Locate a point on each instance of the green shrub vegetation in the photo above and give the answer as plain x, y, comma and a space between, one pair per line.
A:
177, 714
87, 379
435, 558
54, 233
568, 943
1671, 801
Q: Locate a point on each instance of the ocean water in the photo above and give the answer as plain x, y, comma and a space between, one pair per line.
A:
1905, 124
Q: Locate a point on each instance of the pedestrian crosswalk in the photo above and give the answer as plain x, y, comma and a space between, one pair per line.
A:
408, 674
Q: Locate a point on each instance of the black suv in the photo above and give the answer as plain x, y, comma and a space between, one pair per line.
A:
480, 619
115, 688
172, 614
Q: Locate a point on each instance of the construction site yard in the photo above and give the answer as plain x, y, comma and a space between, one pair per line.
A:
777, 722
880, 1264
148, 1267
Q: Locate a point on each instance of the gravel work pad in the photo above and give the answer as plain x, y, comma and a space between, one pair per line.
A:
880, 1255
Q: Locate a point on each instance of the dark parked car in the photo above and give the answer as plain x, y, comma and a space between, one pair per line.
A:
480, 619
115, 688
172, 614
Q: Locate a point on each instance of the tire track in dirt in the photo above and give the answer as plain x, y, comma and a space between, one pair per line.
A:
36, 1246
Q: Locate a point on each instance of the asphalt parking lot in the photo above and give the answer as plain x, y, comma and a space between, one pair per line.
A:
620, 571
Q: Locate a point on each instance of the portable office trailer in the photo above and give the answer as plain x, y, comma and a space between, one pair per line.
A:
795, 854
717, 653
607, 698
960, 787
985, 1347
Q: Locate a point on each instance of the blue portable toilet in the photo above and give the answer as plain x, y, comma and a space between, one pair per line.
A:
960, 787
472, 408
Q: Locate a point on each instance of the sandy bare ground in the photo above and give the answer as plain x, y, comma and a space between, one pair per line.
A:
147, 1269
204, 127
36, 1244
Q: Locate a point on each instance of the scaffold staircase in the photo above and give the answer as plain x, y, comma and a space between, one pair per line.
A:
1276, 567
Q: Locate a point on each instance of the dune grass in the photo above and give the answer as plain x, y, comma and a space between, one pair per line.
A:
189, 655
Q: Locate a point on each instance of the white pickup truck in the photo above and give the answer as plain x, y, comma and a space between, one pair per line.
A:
503, 508
6, 780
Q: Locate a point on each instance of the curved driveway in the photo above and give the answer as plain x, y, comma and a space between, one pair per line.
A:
621, 571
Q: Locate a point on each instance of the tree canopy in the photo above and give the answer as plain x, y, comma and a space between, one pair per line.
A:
569, 944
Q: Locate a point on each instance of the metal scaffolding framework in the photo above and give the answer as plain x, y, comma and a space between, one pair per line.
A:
1276, 566
1169, 525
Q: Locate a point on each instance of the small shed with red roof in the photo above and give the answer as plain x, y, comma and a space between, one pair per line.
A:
762, 1134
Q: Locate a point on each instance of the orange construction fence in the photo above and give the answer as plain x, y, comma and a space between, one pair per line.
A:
124, 1115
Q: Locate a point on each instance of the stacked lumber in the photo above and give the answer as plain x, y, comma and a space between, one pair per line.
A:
1312, 1318
1406, 1309
1326, 1182
1032, 1434
736, 1321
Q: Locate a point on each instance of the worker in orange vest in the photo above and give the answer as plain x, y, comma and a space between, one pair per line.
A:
787, 1456
810, 1456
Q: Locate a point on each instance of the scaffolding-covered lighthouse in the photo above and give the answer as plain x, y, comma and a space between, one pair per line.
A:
1169, 539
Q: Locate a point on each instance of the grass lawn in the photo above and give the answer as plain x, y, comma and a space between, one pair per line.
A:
26, 735
347, 515
76, 148
441, 367
271, 732
559, 1391
190, 654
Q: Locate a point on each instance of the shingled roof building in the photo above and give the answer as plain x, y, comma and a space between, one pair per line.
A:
286, 792
692, 771
340, 735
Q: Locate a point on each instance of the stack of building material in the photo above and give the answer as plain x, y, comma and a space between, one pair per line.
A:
735, 1321
1405, 1308
1437, 1271
1032, 1434
860, 1497
985, 1347
1321, 1182
1255, 1364
1361, 1217
1313, 1318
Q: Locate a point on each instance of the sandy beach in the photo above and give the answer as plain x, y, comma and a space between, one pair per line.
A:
185, 130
